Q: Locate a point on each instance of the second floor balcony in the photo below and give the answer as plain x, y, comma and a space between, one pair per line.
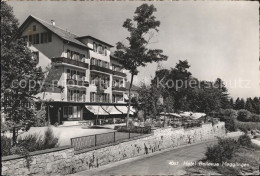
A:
73, 82
119, 73
117, 88
60, 60
101, 69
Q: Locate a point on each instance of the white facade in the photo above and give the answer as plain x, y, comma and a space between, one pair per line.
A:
73, 66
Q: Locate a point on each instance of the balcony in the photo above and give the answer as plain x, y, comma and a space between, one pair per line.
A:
101, 69
117, 73
119, 88
69, 61
73, 82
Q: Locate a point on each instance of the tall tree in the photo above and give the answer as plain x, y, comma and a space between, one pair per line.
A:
236, 106
9, 23
249, 105
136, 53
241, 104
256, 105
20, 75
231, 102
219, 84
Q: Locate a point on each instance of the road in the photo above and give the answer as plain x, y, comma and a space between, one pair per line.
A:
155, 164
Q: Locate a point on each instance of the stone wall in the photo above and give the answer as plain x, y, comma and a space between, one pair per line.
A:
66, 160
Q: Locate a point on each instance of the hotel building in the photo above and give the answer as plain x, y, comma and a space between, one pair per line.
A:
85, 81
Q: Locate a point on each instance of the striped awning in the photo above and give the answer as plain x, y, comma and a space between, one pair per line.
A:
111, 110
96, 110
123, 109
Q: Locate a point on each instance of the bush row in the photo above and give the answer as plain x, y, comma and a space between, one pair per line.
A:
225, 149
30, 143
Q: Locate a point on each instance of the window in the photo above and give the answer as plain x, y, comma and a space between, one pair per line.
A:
100, 49
99, 63
78, 75
92, 96
95, 47
44, 37
68, 54
74, 75
35, 56
93, 61
83, 96
34, 27
70, 111
88, 56
68, 74
105, 51
75, 95
82, 57
30, 38
83, 76
49, 37
69, 95
67, 111
37, 40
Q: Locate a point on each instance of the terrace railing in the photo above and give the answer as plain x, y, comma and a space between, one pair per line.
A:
85, 142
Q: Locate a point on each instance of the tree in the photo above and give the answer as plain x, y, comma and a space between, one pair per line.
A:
249, 105
136, 53
219, 84
241, 104
9, 23
256, 105
236, 106
21, 78
231, 102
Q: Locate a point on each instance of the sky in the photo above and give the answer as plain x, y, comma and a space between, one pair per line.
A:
218, 39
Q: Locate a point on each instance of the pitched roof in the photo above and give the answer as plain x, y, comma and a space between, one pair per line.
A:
58, 31
93, 38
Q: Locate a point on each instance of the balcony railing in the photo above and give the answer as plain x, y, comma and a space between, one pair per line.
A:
119, 88
77, 82
117, 73
69, 61
102, 69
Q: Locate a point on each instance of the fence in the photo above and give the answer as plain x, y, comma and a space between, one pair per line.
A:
84, 142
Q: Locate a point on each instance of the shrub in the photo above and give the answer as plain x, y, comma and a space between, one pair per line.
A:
148, 122
145, 130
244, 140
230, 113
49, 141
31, 142
247, 126
222, 151
6, 144
243, 115
230, 124
255, 118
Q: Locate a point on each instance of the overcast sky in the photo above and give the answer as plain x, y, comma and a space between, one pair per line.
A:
219, 39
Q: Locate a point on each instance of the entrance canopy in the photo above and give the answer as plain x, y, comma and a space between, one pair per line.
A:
111, 110
96, 110
123, 109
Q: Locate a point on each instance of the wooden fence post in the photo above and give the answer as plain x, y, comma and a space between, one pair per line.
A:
114, 136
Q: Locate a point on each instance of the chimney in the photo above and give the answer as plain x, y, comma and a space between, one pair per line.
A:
53, 22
